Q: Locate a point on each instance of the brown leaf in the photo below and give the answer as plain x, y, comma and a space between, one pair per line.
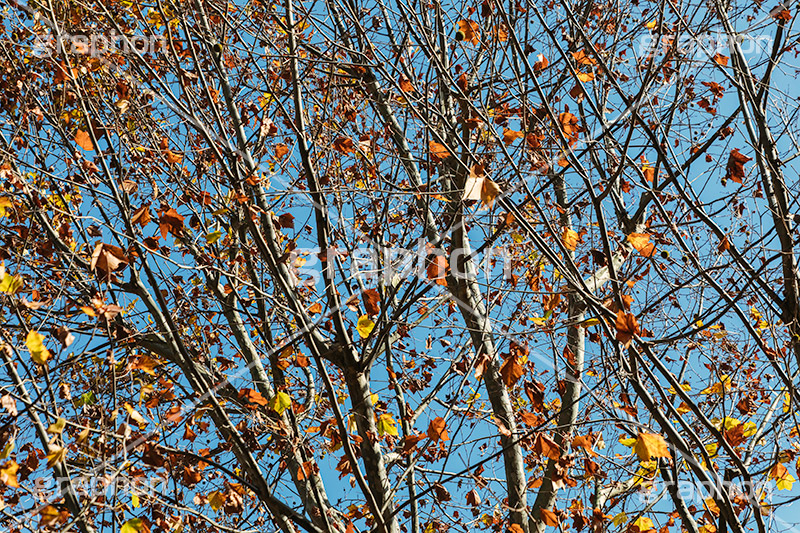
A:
286, 220
344, 145
489, 191
141, 216
253, 397
509, 136
511, 371
547, 447
437, 430
405, 84
108, 258
735, 168
170, 222
724, 245
371, 300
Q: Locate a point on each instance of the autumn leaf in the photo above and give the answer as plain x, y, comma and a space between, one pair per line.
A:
468, 31
57, 427
489, 191
35, 345
364, 326
641, 242
585, 76
437, 269
649, 445
540, 64
280, 402
583, 59
627, 327
83, 140
216, 500
642, 525
134, 525
509, 136
344, 145
405, 84
585, 442
721, 60
107, 259
56, 456
387, 425
281, 150
570, 239
549, 517
437, 430
9, 284
724, 244
253, 397
372, 301
8, 474
547, 447
735, 167
511, 371
438, 151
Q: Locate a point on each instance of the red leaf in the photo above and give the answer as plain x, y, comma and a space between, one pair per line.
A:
735, 168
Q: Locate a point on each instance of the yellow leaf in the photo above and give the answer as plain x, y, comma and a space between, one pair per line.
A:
10, 284
644, 523
718, 388
213, 237
8, 474
387, 425
280, 402
35, 345
713, 508
570, 239
7, 450
134, 525
57, 427
783, 479
56, 455
365, 326
619, 519
216, 500
134, 500
629, 442
135, 416
649, 445
650, 25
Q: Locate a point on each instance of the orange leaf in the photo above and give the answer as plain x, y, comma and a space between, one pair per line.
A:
509, 136
372, 301
549, 517
724, 245
489, 191
469, 31
405, 84
721, 60
437, 269
281, 150
570, 239
627, 327
583, 59
641, 241
437, 430
585, 76
649, 445
541, 64
438, 151
83, 140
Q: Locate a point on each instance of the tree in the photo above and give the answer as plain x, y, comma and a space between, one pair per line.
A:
382, 267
